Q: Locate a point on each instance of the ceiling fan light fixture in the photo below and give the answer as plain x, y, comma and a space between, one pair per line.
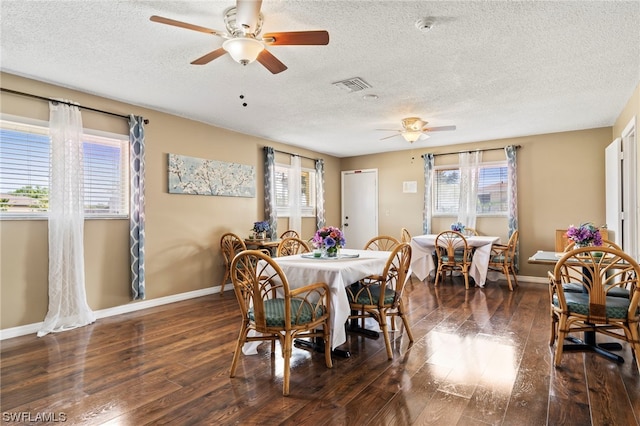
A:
243, 50
411, 136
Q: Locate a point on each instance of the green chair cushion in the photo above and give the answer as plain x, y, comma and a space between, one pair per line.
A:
577, 288
364, 299
616, 307
274, 311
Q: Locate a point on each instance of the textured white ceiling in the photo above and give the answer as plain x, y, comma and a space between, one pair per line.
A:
494, 69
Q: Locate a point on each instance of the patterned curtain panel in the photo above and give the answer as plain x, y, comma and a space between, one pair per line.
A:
512, 199
270, 210
136, 206
469, 177
295, 189
68, 306
320, 220
429, 163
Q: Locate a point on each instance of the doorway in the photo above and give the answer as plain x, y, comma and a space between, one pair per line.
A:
359, 206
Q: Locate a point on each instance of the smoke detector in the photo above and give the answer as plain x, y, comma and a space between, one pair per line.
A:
424, 24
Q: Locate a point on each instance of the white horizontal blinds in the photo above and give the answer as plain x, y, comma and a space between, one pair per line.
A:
492, 190
25, 164
105, 168
308, 191
446, 191
282, 187
24, 168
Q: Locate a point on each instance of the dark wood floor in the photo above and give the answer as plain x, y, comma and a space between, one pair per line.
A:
480, 357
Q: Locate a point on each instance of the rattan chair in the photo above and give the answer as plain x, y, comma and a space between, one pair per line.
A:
405, 235
503, 258
230, 245
289, 233
599, 269
469, 232
381, 243
365, 297
275, 311
453, 253
292, 245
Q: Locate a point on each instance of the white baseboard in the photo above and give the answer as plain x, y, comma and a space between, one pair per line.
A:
116, 310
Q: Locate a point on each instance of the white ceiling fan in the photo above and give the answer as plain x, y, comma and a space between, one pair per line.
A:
242, 40
414, 128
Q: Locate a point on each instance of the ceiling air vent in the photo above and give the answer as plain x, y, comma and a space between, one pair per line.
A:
354, 84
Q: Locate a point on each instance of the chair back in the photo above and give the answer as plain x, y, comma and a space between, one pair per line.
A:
599, 269
512, 245
396, 269
381, 243
257, 279
292, 245
469, 232
605, 243
230, 245
289, 234
405, 235
452, 248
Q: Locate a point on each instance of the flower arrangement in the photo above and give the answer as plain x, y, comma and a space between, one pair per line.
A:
260, 227
329, 238
584, 235
457, 226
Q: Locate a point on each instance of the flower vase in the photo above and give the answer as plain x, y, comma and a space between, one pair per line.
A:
332, 252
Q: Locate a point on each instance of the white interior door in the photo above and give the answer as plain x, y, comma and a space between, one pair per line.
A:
613, 192
359, 206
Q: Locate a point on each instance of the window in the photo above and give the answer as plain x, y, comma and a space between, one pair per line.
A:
308, 189
492, 190
24, 171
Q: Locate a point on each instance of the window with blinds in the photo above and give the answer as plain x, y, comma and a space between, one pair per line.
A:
307, 187
492, 190
24, 171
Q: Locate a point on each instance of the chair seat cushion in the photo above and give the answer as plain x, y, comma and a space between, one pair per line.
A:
363, 297
578, 303
274, 312
458, 257
577, 288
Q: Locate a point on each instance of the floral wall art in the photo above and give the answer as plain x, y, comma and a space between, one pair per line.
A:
198, 176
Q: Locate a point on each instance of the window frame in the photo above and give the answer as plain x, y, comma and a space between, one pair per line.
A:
91, 136
306, 211
485, 165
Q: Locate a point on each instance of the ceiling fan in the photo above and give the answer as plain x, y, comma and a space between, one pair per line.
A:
414, 128
242, 39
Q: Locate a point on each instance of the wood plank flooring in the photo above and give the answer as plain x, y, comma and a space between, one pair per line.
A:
480, 357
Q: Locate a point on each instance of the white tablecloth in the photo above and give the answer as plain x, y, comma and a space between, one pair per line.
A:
423, 246
338, 274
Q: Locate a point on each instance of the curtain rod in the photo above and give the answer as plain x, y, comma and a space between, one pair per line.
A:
470, 151
42, 98
297, 155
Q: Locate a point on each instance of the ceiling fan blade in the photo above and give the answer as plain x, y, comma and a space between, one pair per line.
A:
389, 137
248, 14
209, 57
270, 62
181, 24
297, 38
438, 128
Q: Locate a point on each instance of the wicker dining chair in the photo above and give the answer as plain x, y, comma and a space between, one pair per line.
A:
503, 258
405, 235
381, 243
292, 245
599, 270
453, 253
380, 296
289, 233
275, 311
230, 245
469, 232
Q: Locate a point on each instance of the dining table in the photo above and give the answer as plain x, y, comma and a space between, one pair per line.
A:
350, 266
588, 343
423, 247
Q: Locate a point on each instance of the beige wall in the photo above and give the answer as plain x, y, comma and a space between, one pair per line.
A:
561, 181
183, 231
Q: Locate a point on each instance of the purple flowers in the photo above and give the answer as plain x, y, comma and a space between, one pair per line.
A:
261, 226
458, 227
328, 237
585, 235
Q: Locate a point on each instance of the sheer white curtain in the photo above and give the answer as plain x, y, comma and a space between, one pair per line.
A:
68, 306
295, 189
469, 162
